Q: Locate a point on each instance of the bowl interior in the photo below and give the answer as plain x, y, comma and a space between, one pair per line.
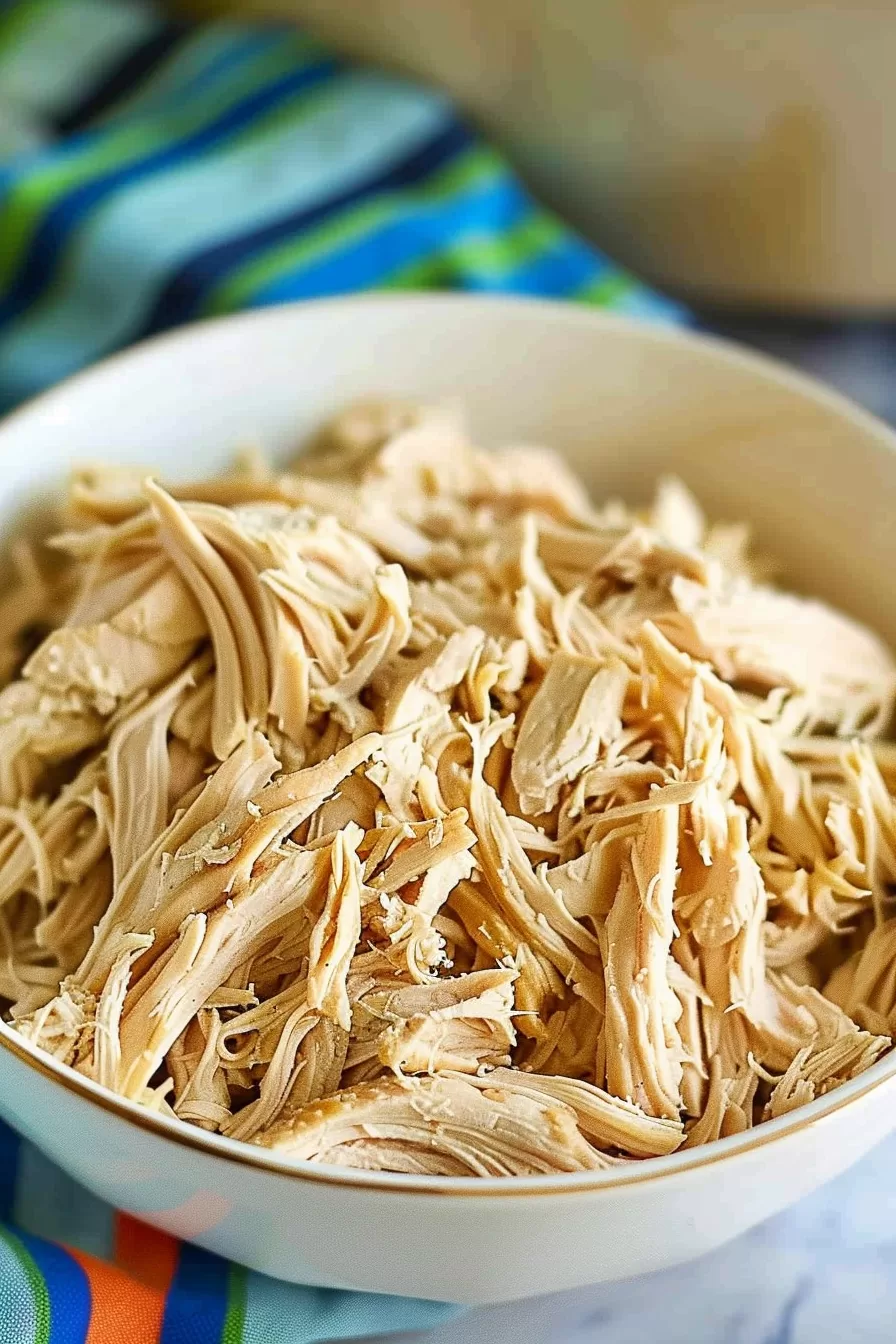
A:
625, 403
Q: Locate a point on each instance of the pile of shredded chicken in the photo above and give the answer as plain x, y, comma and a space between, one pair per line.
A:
405, 810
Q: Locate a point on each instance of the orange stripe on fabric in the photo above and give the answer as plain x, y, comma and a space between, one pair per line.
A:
122, 1310
145, 1252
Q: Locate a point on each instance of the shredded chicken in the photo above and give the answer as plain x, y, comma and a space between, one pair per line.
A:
406, 810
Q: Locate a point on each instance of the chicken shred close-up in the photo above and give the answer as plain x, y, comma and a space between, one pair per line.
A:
408, 810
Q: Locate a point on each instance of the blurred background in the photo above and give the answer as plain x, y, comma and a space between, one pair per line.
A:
734, 153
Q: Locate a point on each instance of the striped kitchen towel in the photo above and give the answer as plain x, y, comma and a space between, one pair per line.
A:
152, 173
73, 1271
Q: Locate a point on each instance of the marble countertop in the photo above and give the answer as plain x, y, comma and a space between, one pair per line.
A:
824, 1272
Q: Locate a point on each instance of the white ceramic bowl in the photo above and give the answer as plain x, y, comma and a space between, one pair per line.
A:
815, 475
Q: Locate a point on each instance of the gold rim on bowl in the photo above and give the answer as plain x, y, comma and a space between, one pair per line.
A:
652, 1168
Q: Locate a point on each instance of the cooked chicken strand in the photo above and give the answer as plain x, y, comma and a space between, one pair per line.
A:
408, 810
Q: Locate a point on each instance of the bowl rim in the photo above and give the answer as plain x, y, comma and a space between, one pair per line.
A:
638, 1172
704, 345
